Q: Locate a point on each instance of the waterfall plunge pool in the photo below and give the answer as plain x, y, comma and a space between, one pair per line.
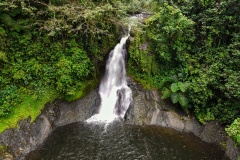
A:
118, 141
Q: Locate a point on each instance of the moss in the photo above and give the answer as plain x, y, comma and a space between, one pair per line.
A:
31, 106
86, 88
142, 65
144, 83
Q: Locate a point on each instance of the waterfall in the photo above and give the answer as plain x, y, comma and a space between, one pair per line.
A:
115, 95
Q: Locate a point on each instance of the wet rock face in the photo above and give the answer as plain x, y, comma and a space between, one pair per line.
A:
28, 136
141, 109
148, 108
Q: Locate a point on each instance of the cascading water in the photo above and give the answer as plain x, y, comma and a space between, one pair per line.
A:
115, 95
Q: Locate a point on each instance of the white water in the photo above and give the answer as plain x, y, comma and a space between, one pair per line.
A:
115, 95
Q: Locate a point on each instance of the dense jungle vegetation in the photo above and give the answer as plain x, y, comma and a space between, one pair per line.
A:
188, 49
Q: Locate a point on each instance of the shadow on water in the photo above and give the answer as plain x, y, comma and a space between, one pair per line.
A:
117, 141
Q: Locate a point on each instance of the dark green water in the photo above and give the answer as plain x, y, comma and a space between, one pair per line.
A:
82, 141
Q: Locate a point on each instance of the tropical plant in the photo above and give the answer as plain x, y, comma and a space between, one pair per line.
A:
234, 130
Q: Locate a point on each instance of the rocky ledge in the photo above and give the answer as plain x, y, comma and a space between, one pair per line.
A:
147, 108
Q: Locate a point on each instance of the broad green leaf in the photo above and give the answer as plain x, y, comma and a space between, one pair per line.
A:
174, 87
175, 97
166, 93
183, 86
183, 100
169, 79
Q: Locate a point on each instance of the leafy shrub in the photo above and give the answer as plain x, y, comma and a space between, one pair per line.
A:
234, 130
53, 46
200, 40
175, 89
8, 98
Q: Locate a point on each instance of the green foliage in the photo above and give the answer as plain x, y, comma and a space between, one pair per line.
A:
166, 93
213, 64
72, 69
204, 116
30, 106
52, 49
9, 97
156, 53
198, 40
183, 100
86, 88
189, 49
175, 89
3, 57
195, 48
141, 64
170, 34
234, 130
175, 97
61, 66
183, 86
